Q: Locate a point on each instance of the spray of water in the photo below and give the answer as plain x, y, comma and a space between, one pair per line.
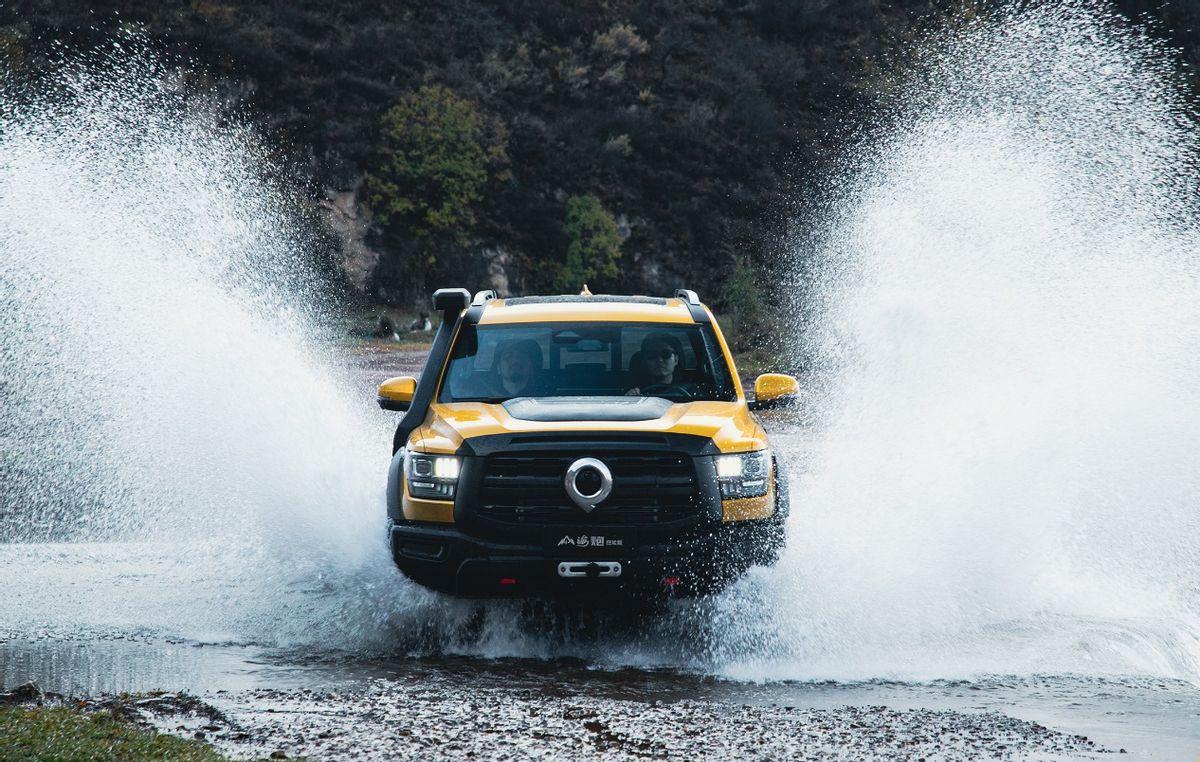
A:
1008, 324
1003, 332
164, 376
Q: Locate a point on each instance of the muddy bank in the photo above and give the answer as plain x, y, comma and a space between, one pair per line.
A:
384, 719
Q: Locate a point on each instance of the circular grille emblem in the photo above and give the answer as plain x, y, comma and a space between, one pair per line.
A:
588, 482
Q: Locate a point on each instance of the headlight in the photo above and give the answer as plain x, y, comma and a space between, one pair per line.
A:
745, 474
432, 477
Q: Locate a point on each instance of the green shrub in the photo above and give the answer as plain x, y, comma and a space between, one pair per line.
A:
435, 161
621, 41
744, 301
619, 145
59, 733
594, 246
12, 48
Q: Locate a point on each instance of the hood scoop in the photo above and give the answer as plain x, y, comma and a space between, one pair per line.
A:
587, 408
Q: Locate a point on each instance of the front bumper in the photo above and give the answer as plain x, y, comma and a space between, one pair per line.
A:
702, 561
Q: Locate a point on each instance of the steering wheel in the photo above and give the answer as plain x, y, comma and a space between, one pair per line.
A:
657, 390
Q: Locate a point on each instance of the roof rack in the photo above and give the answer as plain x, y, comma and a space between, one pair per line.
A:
517, 301
689, 298
482, 297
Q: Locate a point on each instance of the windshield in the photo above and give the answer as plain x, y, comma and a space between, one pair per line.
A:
679, 362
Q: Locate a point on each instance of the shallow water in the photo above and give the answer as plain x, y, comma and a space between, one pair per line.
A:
1147, 717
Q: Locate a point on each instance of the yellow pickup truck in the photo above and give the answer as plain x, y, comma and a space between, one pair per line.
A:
568, 445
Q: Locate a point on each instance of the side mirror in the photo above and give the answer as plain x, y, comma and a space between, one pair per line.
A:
397, 393
772, 390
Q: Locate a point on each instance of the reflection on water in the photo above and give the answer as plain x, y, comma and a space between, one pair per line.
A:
92, 667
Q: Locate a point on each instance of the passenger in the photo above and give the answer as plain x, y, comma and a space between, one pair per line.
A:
517, 368
655, 365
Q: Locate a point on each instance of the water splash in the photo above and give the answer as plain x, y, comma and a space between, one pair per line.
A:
1008, 321
164, 373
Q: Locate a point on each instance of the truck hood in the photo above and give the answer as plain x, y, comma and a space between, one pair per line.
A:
729, 425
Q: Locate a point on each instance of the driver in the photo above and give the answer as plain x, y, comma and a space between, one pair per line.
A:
518, 364
660, 355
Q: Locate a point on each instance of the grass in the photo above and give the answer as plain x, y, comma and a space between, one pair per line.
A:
61, 733
754, 362
416, 342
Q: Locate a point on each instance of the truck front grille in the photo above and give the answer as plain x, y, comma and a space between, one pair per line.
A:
649, 489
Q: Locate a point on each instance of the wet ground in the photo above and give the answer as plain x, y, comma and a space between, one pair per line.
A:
124, 618
256, 702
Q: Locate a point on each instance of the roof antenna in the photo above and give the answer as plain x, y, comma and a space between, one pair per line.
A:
585, 291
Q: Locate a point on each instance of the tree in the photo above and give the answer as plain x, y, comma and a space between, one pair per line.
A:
434, 163
743, 299
594, 246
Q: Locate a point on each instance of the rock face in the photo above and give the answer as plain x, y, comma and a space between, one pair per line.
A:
498, 260
355, 259
625, 227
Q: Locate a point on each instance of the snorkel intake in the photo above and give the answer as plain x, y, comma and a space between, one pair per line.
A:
450, 302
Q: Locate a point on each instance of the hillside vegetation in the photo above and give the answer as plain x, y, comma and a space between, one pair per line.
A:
537, 144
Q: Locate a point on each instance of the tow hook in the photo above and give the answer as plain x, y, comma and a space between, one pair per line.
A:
590, 569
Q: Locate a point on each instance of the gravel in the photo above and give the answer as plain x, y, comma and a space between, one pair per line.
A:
386, 719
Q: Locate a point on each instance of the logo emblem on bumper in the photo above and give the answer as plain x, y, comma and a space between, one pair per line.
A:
588, 482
